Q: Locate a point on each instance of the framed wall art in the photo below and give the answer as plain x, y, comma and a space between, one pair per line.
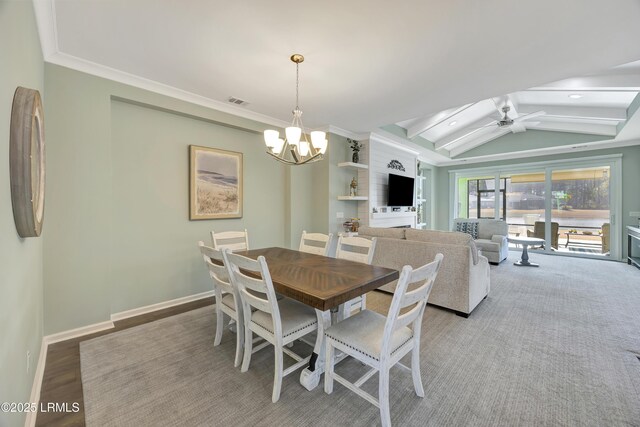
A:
215, 183
27, 162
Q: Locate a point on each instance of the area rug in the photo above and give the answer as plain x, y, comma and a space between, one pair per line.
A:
553, 346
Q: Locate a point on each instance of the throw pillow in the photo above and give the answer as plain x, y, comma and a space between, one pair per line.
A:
469, 227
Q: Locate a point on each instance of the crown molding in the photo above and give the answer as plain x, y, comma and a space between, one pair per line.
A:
344, 133
47, 29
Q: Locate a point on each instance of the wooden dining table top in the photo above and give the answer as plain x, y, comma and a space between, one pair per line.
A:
319, 281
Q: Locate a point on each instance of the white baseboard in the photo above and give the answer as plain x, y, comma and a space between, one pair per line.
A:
78, 332
159, 306
30, 420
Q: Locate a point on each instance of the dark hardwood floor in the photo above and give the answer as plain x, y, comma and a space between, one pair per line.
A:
62, 383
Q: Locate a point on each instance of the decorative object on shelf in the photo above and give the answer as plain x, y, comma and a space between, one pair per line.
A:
293, 150
353, 187
355, 147
413, 208
419, 171
27, 161
374, 210
395, 164
215, 183
383, 210
352, 225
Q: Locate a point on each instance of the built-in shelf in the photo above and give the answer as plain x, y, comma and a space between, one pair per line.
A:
353, 165
353, 198
381, 215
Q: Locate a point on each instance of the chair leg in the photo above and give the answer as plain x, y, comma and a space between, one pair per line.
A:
219, 324
383, 396
248, 347
277, 377
328, 368
415, 370
239, 344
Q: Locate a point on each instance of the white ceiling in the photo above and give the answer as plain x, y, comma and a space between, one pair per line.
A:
368, 63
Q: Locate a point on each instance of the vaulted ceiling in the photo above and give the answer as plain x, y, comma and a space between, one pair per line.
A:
367, 63
593, 105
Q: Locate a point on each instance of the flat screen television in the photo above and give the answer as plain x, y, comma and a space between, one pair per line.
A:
400, 190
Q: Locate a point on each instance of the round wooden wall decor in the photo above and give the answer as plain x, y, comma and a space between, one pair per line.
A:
26, 162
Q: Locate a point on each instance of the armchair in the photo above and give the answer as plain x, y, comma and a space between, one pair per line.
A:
491, 237
538, 231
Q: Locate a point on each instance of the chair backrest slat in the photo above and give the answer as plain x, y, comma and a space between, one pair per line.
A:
218, 271
234, 240
220, 277
323, 243
250, 287
356, 249
424, 276
408, 317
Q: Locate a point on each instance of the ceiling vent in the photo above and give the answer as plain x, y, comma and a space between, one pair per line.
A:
237, 101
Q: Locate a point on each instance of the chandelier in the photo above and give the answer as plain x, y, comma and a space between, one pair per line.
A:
295, 148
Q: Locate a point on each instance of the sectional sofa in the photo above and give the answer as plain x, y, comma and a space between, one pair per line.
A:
463, 281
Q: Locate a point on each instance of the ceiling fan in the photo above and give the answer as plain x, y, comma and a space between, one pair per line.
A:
515, 125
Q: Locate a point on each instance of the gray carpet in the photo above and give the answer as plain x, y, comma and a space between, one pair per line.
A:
552, 346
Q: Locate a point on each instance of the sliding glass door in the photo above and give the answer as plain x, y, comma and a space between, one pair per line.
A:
571, 205
581, 210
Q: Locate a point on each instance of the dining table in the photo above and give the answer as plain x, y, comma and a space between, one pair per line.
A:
321, 282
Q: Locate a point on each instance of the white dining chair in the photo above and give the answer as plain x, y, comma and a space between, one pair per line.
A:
381, 342
226, 296
315, 243
236, 241
279, 322
356, 249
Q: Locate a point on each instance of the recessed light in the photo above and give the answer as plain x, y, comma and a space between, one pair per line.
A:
575, 96
453, 123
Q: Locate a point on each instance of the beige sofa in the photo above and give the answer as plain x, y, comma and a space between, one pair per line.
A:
463, 280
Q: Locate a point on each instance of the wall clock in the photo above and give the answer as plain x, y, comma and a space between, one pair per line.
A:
26, 161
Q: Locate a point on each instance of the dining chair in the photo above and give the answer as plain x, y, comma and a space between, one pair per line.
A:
356, 249
315, 243
227, 297
381, 342
234, 240
279, 322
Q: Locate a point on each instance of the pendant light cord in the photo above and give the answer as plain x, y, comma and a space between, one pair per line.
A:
297, 84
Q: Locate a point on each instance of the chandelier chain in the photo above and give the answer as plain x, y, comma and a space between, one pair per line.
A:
297, 85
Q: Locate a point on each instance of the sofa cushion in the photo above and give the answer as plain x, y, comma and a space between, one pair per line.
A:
394, 233
488, 245
435, 236
443, 237
469, 227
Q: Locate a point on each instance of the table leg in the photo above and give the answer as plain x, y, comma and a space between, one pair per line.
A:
310, 377
524, 261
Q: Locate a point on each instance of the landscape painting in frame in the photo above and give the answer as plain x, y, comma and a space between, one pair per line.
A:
215, 183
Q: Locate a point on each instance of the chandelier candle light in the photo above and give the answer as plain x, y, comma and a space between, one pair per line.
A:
295, 149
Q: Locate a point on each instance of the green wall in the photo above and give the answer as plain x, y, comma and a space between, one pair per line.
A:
20, 259
119, 197
630, 180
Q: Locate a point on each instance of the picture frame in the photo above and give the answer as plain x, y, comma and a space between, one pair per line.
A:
215, 183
